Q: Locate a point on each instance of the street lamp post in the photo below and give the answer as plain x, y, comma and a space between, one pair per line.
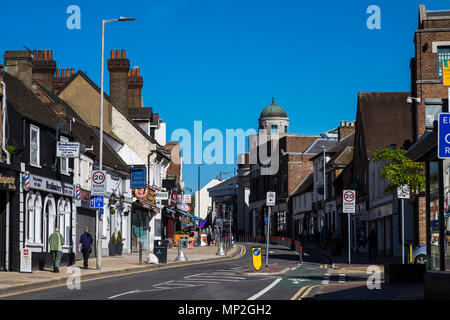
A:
100, 224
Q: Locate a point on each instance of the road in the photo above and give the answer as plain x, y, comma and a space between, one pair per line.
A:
225, 280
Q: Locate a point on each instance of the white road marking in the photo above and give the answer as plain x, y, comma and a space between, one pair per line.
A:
163, 283
263, 291
122, 294
326, 280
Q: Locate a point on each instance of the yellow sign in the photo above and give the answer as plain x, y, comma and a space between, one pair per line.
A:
446, 72
257, 260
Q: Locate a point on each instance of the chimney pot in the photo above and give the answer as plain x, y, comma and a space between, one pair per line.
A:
346, 123
50, 57
67, 73
34, 54
113, 54
45, 54
117, 54
137, 72
57, 73
40, 55
342, 123
124, 54
71, 71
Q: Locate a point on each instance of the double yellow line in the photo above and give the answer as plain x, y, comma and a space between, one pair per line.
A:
304, 292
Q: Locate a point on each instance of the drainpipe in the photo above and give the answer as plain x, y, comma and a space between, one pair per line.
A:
8, 210
8, 156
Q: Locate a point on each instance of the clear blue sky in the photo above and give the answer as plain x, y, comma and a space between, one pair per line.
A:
221, 61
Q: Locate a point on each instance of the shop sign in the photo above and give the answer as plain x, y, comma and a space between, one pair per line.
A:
173, 198
49, 185
67, 149
138, 177
187, 198
7, 182
25, 260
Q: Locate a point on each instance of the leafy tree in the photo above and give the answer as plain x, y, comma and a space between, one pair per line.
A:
400, 170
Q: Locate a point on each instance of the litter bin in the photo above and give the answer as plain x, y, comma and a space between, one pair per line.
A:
183, 242
160, 250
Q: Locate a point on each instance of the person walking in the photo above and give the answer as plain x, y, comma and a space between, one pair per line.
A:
56, 241
372, 240
209, 235
85, 246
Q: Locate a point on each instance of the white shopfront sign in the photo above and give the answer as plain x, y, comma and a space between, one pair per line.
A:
50, 185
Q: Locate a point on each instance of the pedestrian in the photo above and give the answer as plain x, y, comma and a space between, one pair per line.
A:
208, 235
85, 246
361, 240
372, 240
56, 241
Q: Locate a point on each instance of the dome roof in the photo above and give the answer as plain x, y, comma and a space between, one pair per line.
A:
273, 110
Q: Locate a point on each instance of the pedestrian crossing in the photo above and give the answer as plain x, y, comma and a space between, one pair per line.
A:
335, 278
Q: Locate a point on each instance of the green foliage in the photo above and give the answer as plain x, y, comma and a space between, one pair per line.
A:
400, 170
112, 210
119, 237
10, 149
112, 240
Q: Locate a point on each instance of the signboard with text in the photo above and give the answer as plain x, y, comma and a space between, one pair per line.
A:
349, 201
270, 198
138, 177
98, 182
68, 149
444, 135
446, 72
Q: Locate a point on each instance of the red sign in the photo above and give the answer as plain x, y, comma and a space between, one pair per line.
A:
173, 198
141, 193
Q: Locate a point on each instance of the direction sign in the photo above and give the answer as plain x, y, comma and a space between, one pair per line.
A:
270, 199
257, 260
403, 192
98, 182
444, 135
349, 201
97, 202
162, 195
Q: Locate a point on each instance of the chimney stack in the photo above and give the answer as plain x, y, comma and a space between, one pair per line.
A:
62, 76
345, 129
19, 63
135, 84
44, 68
119, 66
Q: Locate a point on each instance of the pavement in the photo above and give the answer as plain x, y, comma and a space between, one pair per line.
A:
15, 281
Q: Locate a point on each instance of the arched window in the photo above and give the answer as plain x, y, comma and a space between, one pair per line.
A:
29, 217
67, 222
49, 219
37, 219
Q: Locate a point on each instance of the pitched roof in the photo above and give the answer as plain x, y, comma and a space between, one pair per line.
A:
26, 103
92, 83
342, 158
385, 118
305, 186
145, 113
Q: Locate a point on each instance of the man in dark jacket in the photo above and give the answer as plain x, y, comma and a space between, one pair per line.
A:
85, 246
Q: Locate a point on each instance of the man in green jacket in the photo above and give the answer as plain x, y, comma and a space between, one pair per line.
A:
56, 241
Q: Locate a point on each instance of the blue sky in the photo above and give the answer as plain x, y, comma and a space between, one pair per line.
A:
221, 61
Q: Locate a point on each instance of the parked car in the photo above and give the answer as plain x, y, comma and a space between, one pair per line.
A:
419, 254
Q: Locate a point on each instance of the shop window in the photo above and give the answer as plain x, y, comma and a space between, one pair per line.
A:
431, 114
443, 53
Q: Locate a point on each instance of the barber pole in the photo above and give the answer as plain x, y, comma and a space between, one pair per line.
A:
26, 181
78, 192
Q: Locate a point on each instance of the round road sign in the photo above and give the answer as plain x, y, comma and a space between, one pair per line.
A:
98, 177
349, 196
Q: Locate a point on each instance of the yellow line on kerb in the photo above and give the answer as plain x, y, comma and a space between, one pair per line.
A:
243, 250
308, 291
299, 292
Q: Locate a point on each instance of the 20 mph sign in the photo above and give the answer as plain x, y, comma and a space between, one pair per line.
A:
349, 201
98, 182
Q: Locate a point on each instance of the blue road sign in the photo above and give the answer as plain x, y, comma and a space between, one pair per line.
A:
256, 251
444, 136
100, 211
97, 202
138, 176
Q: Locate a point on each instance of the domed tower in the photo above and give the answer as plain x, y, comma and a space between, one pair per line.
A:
274, 118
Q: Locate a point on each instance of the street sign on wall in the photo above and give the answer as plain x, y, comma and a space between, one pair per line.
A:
446, 72
98, 182
138, 177
187, 198
68, 149
97, 202
349, 201
270, 198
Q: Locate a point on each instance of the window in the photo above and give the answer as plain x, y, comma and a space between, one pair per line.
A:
34, 146
274, 128
432, 114
281, 221
64, 162
443, 53
285, 129
34, 218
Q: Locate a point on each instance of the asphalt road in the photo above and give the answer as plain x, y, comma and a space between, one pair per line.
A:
209, 281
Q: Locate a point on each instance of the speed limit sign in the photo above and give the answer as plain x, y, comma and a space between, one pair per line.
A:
349, 201
98, 182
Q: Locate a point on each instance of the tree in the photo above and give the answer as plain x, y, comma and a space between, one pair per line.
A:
400, 170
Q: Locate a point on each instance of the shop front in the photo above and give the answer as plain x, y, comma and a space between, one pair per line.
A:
8, 194
86, 217
47, 206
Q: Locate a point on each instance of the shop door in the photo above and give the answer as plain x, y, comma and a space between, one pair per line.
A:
85, 218
2, 230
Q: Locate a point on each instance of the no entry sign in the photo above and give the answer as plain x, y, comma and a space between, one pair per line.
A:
348, 201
